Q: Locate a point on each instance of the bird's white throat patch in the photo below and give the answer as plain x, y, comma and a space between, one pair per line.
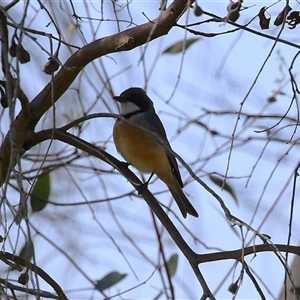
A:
128, 107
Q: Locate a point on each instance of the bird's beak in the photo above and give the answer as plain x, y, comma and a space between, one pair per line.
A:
119, 99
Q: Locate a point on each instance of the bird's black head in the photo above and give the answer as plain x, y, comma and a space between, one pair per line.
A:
136, 96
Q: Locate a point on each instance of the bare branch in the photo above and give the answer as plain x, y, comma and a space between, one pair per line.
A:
123, 41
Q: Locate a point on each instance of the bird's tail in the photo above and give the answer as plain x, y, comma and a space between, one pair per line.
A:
183, 203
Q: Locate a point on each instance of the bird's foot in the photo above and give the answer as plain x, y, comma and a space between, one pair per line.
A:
145, 184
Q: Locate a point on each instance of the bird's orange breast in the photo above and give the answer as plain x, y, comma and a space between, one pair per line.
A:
141, 149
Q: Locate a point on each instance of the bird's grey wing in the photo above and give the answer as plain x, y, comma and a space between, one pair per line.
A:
153, 123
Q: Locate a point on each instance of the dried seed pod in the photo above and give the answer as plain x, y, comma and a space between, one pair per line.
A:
233, 9
3, 100
264, 22
282, 15
233, 287
23, 278
13, 48
51, 66
198, 10
23, 55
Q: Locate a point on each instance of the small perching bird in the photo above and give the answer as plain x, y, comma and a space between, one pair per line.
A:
145, 151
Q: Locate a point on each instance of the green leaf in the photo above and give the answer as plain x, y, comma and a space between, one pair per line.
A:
220, 182
180, 46
27, 250
172, 264
40, 193
109, 280
25, 253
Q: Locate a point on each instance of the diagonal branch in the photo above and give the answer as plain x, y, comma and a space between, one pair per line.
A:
126, 40
95, 151
20, 261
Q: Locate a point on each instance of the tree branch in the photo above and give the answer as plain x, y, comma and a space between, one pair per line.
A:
95, 151
20, 261
192, 257
27, 290
126, 40
237, 254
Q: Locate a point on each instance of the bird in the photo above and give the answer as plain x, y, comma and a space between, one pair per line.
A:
144, 144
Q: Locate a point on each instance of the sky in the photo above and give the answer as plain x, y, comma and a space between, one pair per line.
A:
77, 242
